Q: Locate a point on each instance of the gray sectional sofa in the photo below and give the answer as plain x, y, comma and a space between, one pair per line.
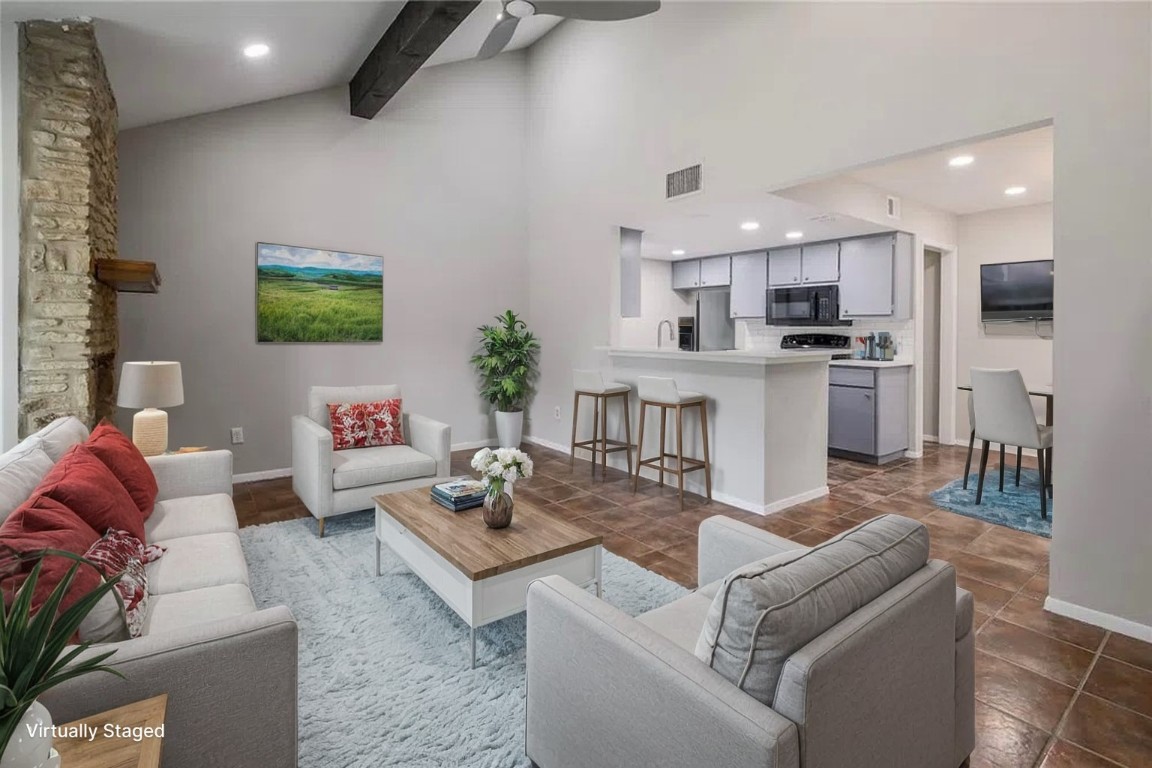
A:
890, 685
229, 670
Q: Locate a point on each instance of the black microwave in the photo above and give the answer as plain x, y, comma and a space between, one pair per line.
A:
808, 305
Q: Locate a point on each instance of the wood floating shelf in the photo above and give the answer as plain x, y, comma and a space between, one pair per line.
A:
129, 276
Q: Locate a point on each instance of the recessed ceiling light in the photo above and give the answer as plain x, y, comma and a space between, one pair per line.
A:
1015, 191
961, 160
794, 235
678, 252
750, 226
256, 50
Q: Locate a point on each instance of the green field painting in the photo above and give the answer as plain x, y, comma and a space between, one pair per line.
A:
309, 295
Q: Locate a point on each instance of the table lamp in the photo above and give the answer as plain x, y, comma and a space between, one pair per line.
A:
151, 386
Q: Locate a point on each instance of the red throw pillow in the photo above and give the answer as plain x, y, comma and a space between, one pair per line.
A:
44, 523
120, 455
359, 425
81, 482
119, 552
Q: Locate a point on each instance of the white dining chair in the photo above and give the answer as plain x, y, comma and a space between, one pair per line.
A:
1004, 415
972, 443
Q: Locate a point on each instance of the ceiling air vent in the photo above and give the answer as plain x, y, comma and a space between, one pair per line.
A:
893, 207
683, 182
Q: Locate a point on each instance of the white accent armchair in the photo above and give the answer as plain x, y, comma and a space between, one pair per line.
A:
331, 482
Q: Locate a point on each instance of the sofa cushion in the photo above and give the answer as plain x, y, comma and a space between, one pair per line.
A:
319, 397
44, 523
21, 470
191, 516
359, 467
362, 425
195, 562
82, 482
120, 553
766, 611
178, 610
681, 620
118, 453
965, 611
56, 438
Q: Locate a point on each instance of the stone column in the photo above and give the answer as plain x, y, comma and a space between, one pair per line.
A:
68, 169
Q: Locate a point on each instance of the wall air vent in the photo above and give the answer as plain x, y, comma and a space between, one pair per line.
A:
893, 207
685, 181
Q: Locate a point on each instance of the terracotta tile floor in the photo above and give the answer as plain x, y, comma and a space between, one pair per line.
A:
1051, 692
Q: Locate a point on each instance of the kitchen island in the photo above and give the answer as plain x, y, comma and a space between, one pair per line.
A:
767, 415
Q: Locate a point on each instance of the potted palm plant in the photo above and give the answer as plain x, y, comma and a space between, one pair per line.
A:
34, 659
507, 364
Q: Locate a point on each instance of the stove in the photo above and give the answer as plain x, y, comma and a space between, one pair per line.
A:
817, 341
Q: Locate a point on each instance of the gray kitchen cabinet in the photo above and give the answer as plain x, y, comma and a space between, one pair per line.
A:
876, 277
686, 275
784, 266
715, 271
820, 263
868, 412
749, 284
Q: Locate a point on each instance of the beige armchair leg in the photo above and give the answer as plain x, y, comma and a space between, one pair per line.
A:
320, 526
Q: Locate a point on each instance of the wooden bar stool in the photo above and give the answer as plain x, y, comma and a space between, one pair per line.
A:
662, 393
592, 384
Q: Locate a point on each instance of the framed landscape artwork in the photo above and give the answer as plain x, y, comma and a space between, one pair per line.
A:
307, 295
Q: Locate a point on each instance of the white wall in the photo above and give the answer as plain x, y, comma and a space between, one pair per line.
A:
772, 94
9, 233
434, 184
1010, 234
657, 302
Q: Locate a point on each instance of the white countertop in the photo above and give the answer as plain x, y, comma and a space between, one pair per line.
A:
737, 356
872, 363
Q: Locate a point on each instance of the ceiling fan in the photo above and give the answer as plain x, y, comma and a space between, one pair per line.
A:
585, 10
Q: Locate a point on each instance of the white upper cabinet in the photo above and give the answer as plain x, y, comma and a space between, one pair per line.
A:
866, 277
715, 270
749, 284
784, 266
686, 275
820, 263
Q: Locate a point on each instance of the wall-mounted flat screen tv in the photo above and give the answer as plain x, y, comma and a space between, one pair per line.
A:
1019, 290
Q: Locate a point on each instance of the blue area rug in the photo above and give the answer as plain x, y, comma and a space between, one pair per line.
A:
384, 675
1017, 508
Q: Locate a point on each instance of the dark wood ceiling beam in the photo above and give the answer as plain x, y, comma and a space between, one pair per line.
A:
413, 36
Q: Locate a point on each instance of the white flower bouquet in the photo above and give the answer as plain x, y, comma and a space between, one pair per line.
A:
501, 467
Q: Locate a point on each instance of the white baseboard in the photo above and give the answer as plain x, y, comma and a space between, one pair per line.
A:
913, 454
723, 498
489, 443
1099, 619
930, 438
264, 474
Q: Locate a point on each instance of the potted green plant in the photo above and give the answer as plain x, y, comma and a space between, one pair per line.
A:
33, 657
507, 364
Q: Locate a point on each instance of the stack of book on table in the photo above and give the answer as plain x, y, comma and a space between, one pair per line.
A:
459, 494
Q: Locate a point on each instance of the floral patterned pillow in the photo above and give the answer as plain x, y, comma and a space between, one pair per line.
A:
360, 425
119, 552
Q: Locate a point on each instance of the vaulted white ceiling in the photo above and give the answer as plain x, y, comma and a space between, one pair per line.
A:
170, 59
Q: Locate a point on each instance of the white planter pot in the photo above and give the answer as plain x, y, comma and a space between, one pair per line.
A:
509, 428
31, 744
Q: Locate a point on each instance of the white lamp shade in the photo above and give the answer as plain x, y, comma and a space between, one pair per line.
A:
154, 384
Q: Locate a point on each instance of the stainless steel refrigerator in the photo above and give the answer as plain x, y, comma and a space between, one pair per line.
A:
715, 328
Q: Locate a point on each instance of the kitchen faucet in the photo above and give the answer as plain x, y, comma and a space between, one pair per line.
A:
659, 338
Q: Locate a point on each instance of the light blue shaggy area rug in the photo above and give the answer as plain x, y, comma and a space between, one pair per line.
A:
1014, 507
384, 675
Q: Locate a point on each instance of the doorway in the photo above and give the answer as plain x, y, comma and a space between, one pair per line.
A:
931, 367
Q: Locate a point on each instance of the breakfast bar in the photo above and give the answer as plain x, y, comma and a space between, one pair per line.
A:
767, 419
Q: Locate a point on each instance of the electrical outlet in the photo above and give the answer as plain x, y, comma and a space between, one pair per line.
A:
237, 435
556, 413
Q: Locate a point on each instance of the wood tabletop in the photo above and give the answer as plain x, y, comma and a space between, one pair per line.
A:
478, 551
1037, 391
116, 751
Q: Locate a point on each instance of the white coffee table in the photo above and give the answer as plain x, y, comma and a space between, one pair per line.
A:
481, 573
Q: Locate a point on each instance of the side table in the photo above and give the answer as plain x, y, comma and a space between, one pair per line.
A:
108, 750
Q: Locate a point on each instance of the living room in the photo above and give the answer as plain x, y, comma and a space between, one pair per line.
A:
488, 185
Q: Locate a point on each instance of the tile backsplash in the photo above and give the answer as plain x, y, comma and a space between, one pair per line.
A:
755, 335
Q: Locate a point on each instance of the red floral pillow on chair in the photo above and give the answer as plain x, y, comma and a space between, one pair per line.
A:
360, 425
